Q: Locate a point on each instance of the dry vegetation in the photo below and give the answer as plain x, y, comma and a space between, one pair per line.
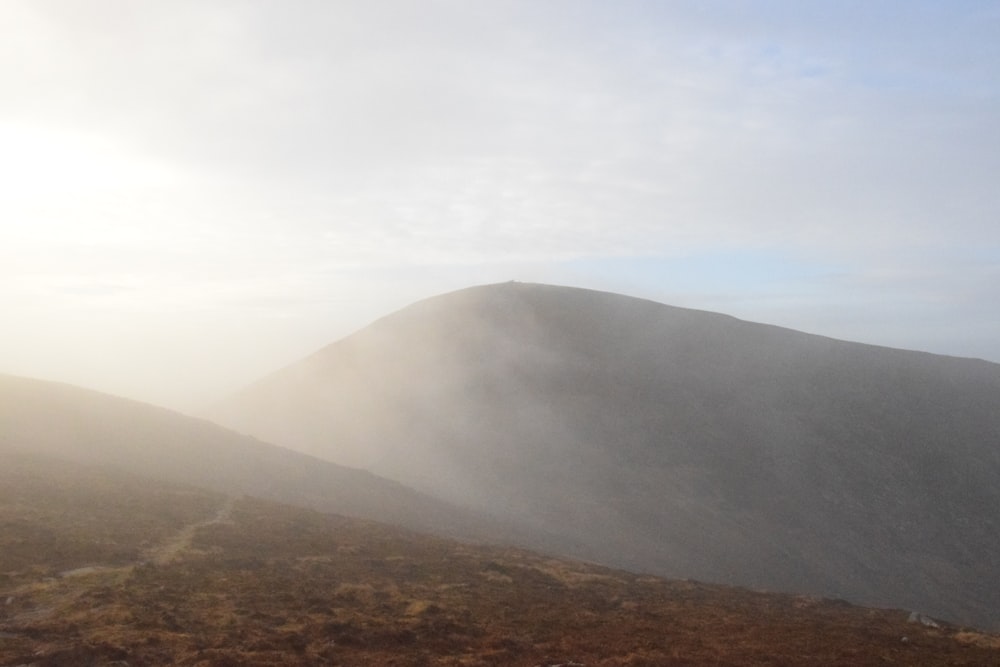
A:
181, 577
56, 516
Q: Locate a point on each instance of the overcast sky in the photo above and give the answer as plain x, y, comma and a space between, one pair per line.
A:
193, 194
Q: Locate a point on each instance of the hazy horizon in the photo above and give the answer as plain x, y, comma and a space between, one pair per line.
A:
194, 194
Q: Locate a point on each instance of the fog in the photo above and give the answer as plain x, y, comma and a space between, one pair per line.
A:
667, 440
195, 193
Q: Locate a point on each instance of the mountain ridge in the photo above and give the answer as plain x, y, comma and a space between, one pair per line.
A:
683, 435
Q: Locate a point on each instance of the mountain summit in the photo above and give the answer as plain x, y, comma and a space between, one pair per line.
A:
669, 440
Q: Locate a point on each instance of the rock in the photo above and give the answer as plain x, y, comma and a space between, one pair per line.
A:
922, 620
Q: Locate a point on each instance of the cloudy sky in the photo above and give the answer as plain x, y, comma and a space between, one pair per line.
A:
195, 193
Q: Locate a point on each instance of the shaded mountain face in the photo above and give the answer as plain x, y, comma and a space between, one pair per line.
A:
102, 568
77, 425
669, 440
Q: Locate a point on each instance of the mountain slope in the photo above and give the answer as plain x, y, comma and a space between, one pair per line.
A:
671, 440
125, 571
88, 427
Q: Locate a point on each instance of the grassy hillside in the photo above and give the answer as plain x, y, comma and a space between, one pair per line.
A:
77, 425
671, 440
131, 571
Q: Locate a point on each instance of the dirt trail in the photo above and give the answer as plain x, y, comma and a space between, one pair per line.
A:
52, 595
181, 541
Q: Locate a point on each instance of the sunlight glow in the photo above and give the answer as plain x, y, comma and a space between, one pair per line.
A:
40, 162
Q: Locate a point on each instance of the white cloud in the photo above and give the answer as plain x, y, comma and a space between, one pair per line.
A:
257, 159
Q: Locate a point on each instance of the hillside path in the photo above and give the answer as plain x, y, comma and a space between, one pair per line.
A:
181, 541
59, 593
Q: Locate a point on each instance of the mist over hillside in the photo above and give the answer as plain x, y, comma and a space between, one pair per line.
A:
669, 440
77, 425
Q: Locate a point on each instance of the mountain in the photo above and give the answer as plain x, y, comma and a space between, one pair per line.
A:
98, 567
87, 427
669, 440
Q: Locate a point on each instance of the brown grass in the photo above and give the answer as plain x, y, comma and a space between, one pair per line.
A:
275, 585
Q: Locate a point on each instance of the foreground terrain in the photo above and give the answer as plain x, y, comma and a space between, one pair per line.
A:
99, 568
